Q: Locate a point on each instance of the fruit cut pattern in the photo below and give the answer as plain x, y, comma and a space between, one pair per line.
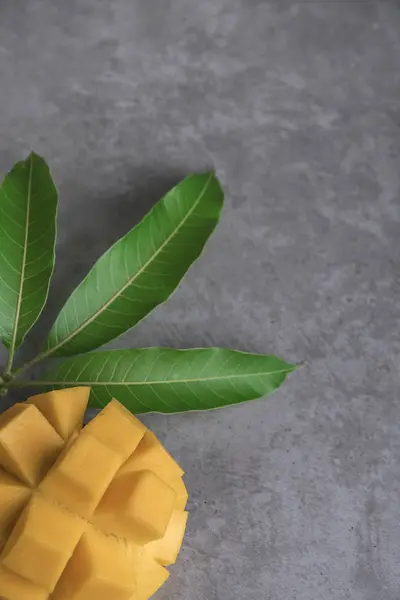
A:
85, 514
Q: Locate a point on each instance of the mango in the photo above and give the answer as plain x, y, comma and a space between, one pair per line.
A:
93, 513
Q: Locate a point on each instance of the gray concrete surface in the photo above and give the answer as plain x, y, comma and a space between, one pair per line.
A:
297, 106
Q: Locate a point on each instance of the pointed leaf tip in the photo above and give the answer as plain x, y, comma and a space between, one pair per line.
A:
28, 206
167, 380
141, 270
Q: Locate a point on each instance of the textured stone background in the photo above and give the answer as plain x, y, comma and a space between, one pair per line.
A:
297, 105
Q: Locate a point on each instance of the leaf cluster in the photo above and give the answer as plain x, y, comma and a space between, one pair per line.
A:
135, 275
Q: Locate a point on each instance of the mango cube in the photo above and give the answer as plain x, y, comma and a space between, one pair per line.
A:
42, 542
139, 504
150, 454
14, 587
117, 428
14, 495
165, 550
181, 497
92, 514
64, 409
82, 475
100, 568
149, 575
28, 443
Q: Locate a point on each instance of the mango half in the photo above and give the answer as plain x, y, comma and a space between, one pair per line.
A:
85, 514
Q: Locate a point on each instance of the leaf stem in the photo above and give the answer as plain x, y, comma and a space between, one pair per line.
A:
30, 363
20, 383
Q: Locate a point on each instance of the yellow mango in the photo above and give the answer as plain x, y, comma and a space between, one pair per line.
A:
28, 443
14, 495
100, 568
165, 550
92, 514
81, 477
117, 428
181, 497
151, 455
42, 542
149, 575
137, 504
64, 409
14, 587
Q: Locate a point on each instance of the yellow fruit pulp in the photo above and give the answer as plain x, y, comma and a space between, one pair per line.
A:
85, 514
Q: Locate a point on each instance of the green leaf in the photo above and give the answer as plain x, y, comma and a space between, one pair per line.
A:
141, 270
166, 380
28, 206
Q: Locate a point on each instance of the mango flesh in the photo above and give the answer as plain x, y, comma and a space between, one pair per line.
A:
85, 514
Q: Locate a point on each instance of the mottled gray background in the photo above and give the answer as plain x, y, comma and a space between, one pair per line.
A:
297, 106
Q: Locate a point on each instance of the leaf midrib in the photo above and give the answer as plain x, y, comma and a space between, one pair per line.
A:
23, 267
130, 281
164, 382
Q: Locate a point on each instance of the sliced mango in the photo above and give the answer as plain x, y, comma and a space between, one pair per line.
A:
80, 478
14, 587
150, 454
165, 550
14, 495
100, 569
64, 409
92, 514
138, 505
117, 428
149, 575
28, 443
42, 542
181, 497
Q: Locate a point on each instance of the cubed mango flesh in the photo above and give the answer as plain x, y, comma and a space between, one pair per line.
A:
92, 514
42, 542
14, 496
137, 504
150, 454
28, 443
165, 550
64, 409
81, 476
149, 575
14, 587
100, 568
117, 429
